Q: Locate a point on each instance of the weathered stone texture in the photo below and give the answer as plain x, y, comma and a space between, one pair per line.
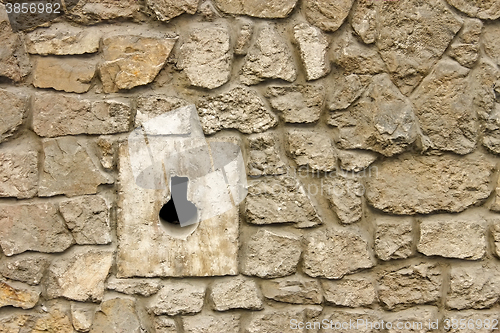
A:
345, 195
69, 168
240, 108
279, 321
165, 324
236, 293
479, 321
206, 56
32, 227
443, 105
131, 61
295, 290
13, 105
257, 8
143, 287
312, 44
453, 237
67, 74
393, 238
495, 232
65, 278
19, 171
268, 58
269, 254
473, 287
327, 15
490, 40
345, 89
483, 9
465, 49
417, 320
334, 253
311, 151
264, 156
27, 268
363, 20
82, 315
244, 36
425, 184
178, 298
58, 115
165, 10
410, 42
96, 11
297, 104
381, 120
117, 315
14, 61
229, 323
356, 160
19, 296
337, 317
88, 219
280, 200
351, 292
410, 285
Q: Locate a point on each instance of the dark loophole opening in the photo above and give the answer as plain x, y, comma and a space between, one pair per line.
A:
187, 213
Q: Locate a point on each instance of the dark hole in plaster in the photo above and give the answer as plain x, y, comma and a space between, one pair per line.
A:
178, 208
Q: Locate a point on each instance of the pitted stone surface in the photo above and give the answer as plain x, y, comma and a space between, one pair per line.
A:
239, 108
280, 200
143, 287
229, 323
335, 253
490, 41
245, 34
268, 58
312, 44
165, 324
96, 11
297, 104
327, 15
381, 120
279, 321
178, 298
363, 20
82, 315
32, 227
483, 9
295, 290
393, 238
25, 268
88, 219
206, 56
17, 295
65, 278
350, 291
14, 61
356, 160
345, 195
410, 285
311, 151
67, 74
269, 254
338, 316
19, 171
69, 168
117, 315
257, 8
465, 49
236, 293
417, 315
442, 183
473, 316
165, 10
345, 89
13, 105
264, 157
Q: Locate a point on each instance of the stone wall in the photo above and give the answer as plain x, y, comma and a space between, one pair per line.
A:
370, 132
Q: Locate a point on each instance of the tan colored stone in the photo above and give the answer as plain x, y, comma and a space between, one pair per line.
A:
88, 219
465, 49
363, 20
18, 295
151, 106
495, 232
264, 157
271, 254
67, 74
244, 37
14, 61
56, 320
131, 61
410, 285
344, 90
416, 319
443, 105
96, 11
70, 168
13, 105
327, 15
483, 9
354, 321
32, 227
425, 184
295, 289
165, 10
280, 200
206, 56
345, 196
236, 293
479, 321
282, 321
356, 160
177, 298
334, 253
453, 236
268, 58
58, 115
117, 315
79, 275
164, 324
311, 151
62, 39
350, 291
19, 171
10, 323
490, 41
239, 108
381, 120
475, 286
297, 104
257, 8
82, 316
393, 238
143, 287
229, 323
27, 268
312, 44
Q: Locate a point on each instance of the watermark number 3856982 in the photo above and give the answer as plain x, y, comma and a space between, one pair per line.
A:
33, 8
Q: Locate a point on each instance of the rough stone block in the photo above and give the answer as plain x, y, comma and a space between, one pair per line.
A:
229, 323
487, 9
281, 321
67, 74
490, 41
14, 61
344, 90
350, 291
142, 287
178, 298
476, 321
346, 197
394, 238
27, 268
19, 171
264, 157
236, 293
32, 227
312, 44
334, 253
151, 106
295, 289
117, 315
95, 11
165, 324
311, 151
82, 315
336, 317
465, 49
257, 8
327, 15
297, 104
17, 295
13, 105
165, 10
416, 319
269, 254
356, 160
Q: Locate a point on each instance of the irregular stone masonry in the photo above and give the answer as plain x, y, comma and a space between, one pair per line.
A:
370, 134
